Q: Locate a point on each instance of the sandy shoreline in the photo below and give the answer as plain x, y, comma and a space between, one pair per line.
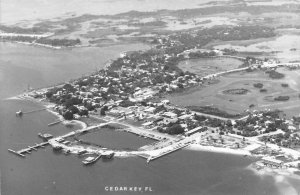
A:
289, 172
197, 147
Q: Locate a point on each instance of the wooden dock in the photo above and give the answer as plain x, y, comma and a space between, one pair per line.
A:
166, 151
32, 111
29, 149
55, 122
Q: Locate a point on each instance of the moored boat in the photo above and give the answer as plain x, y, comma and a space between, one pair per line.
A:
91, 159
57, 148
108, 155
45, 136
19, 113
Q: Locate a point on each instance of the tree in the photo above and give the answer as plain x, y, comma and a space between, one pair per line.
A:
83, 112
49, 94
68, 115
229, 123
73, 109
175, 129
103, 110
168, 79
180, 85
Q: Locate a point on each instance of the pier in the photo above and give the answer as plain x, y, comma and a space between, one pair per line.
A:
55, 122
32, 111
166, 152
29, 149
177, 145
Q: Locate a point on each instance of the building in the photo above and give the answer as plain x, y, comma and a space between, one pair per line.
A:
193, 131
272, 162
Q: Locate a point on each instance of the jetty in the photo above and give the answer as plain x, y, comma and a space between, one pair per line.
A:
166, 152
20, 113
55, 122
29, 149
32, 111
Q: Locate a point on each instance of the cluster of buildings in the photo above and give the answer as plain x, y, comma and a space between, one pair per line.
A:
154, 116
263, 122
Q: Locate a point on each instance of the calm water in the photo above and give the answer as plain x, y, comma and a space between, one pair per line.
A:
104, 137
45, 172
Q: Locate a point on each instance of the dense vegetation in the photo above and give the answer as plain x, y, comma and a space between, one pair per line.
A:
258, 85
59, 42
240, 91
213, 111
45, 41
282, 98
20, 30
274, 74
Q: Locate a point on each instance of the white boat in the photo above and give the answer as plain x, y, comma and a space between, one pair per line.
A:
19, 113
108, 155
90, 160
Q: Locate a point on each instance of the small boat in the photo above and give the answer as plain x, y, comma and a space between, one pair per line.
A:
57, 148
149, 159
19, 113
81, 152
67, 151
91, 159
45, 136
108, 155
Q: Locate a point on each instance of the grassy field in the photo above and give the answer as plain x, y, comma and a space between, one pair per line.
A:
233, 103
205, 66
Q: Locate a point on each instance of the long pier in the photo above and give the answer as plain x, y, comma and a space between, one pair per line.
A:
32, 111
55, 122
169, 149
29, 149
176, 145
166, 152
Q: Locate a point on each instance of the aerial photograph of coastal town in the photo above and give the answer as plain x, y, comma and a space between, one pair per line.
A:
162, 97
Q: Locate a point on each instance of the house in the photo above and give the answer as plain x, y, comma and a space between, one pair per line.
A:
167, 121
184, 117
147, 124
170, 115
193, 131
150, 110
165, 102
269, 161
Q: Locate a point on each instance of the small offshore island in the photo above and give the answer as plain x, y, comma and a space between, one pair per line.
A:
156, 94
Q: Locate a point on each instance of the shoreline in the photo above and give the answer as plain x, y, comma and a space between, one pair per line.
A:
48, 107
288, 172
198, 147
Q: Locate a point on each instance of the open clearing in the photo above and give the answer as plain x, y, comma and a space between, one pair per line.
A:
213, 95
205, 66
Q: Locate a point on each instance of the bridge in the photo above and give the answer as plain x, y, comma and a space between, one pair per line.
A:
224, 72
295, 64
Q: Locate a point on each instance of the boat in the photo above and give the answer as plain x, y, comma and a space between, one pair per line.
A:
57, 148
67, 151
149, 159
19, 113
91, 159
108, 155
45, 136
82, 152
